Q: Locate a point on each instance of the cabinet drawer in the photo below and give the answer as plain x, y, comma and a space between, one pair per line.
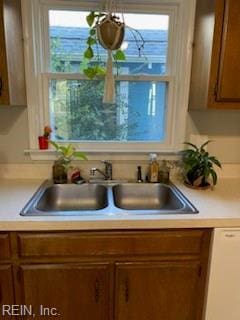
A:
4, 246
110, 243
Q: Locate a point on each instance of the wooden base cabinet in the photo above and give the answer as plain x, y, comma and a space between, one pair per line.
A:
66, 291
6, 290
157, 290
6, 276
107, 275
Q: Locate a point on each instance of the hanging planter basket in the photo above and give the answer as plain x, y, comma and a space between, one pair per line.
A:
110, 32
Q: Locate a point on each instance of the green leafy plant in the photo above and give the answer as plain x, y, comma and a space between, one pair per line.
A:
198, 165
67, 153
91, 71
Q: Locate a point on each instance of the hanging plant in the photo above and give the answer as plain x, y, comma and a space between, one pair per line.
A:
107, 30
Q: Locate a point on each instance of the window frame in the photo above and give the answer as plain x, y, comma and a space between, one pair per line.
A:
36, 39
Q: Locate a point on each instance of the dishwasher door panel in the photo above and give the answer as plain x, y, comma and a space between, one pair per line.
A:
223, 296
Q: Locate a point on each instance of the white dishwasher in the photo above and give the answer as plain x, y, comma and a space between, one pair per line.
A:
223, 296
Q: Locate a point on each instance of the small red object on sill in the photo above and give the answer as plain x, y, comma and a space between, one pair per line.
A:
43, 142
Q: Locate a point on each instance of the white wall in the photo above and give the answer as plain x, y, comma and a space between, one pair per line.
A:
221, 126
13, 134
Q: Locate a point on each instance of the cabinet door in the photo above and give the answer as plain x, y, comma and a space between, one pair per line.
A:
224, 89
4, 94
73, 291
157, 290
6, 290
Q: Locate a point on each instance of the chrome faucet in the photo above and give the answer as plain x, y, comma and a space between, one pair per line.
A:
107, 173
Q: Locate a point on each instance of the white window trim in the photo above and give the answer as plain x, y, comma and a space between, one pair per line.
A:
37, 77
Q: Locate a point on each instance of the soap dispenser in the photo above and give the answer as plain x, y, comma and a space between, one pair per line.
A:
153, 168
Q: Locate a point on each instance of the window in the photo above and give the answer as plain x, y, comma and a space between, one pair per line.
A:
151, 85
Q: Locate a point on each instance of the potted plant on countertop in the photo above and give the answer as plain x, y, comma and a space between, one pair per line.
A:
198, 166
61, 165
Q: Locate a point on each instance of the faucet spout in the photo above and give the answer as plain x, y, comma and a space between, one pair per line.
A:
94, 170
107, 173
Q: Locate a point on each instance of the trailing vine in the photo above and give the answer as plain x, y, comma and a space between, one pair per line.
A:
98, 69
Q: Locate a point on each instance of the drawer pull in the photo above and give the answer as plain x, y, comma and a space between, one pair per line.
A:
1, 86
97, 290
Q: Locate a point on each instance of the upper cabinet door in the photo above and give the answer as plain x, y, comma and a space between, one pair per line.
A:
4, 93
75, 291
157, 290
12, 73
224, 89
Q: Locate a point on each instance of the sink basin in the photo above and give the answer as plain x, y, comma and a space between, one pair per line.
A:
146, 196
71, 197
67, 199
113, 199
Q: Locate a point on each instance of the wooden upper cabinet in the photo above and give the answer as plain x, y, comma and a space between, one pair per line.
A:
215, 80
157, 290
12, 73
4, 93
72, 290
224, 89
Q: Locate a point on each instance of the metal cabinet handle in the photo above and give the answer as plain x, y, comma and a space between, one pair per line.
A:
126, 289
1, 86
97, 290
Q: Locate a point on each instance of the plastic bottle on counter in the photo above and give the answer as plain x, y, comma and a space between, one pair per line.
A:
153, 171
164, 172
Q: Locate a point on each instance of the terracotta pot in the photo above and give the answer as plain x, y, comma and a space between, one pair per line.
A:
43, 142
207, 186
110, 32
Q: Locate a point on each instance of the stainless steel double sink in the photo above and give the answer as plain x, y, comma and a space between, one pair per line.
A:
99, 199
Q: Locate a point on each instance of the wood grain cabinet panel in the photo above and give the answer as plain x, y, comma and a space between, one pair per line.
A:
153, 290
215, 78
6, 290
110, 243
5, 252
224, 87
12, 73
75, 291
4, 93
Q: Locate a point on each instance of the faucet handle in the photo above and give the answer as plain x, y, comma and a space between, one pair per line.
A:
93, 171
106, 162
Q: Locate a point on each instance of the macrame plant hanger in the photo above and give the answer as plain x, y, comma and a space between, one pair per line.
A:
110, 33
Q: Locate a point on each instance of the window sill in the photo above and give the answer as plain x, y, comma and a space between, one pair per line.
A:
50, 154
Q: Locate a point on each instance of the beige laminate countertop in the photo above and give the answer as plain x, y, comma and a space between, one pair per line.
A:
217, 208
